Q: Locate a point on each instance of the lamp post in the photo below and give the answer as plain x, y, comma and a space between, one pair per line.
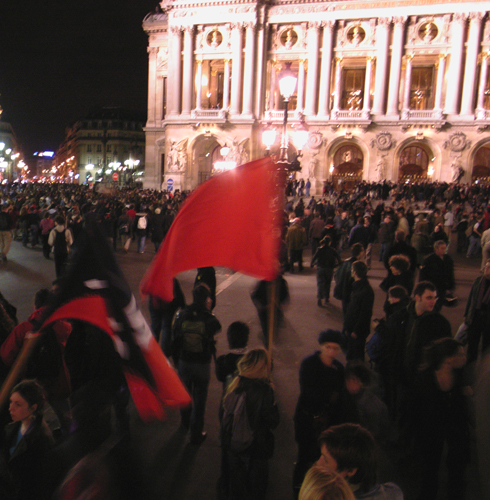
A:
287, 86
224, 165
131, 164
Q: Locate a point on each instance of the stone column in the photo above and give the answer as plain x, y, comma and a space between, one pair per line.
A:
226, 85
152, 82
367, 87
312, 78
325, 72
175, 72
259, 68
396, 66
159, 98
301, 87
272, 89
236, 76
473, 48
382, 47
187, 80
456, 64
408, 84
481, 90
441, 70
199, 85
338, 81
248, 73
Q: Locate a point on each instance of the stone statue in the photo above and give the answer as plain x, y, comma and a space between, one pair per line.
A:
173, 157
311, 168
380, 168
177, 156
458, 172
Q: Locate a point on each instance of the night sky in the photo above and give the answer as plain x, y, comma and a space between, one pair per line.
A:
59, 59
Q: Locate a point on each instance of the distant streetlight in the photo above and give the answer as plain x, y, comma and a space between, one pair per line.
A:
287, 86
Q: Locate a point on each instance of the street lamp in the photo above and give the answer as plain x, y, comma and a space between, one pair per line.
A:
287, 86
268, 138
224, 165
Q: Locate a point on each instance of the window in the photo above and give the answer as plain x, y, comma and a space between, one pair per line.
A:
89, 160
414, 155
275, 100
109, 148
99, 148
421, 85
353, 88
212, 83
89, 148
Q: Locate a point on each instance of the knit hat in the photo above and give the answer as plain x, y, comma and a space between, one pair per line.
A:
331, 336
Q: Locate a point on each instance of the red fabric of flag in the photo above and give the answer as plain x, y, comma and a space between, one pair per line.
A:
149, 401
232, 220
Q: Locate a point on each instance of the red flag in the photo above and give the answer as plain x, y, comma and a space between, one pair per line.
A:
232, 220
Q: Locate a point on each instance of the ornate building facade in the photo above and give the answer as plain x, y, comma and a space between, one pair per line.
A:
395, 91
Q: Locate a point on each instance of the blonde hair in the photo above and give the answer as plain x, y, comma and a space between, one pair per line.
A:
324, 484
254, 364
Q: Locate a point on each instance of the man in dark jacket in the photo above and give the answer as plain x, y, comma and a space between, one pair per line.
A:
326, 259
193, 347
343, 276
400, 246
359, 234
414, 329
477, 314
357, 319
438, 268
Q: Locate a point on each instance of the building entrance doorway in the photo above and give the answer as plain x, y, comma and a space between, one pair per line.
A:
206, 152
480, 173
348, 166
414, 164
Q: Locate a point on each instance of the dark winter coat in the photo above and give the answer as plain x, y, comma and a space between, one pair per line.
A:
263, 416
360, 309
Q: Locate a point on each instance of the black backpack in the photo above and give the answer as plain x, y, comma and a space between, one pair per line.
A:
59, 246
236, 432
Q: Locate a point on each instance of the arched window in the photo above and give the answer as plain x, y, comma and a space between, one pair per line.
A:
481, 165
348, 166
414, 163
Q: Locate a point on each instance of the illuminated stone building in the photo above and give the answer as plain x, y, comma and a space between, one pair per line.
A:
387, 90
104, 142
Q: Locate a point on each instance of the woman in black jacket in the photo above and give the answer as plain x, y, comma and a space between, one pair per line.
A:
250, 414
27, 442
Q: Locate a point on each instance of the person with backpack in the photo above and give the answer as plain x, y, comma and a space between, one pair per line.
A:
193, 347
61, 239
141, 230
250, 413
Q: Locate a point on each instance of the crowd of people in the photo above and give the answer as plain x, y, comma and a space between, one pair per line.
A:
405, 386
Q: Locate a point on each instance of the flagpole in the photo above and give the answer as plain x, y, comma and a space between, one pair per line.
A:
272, 289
